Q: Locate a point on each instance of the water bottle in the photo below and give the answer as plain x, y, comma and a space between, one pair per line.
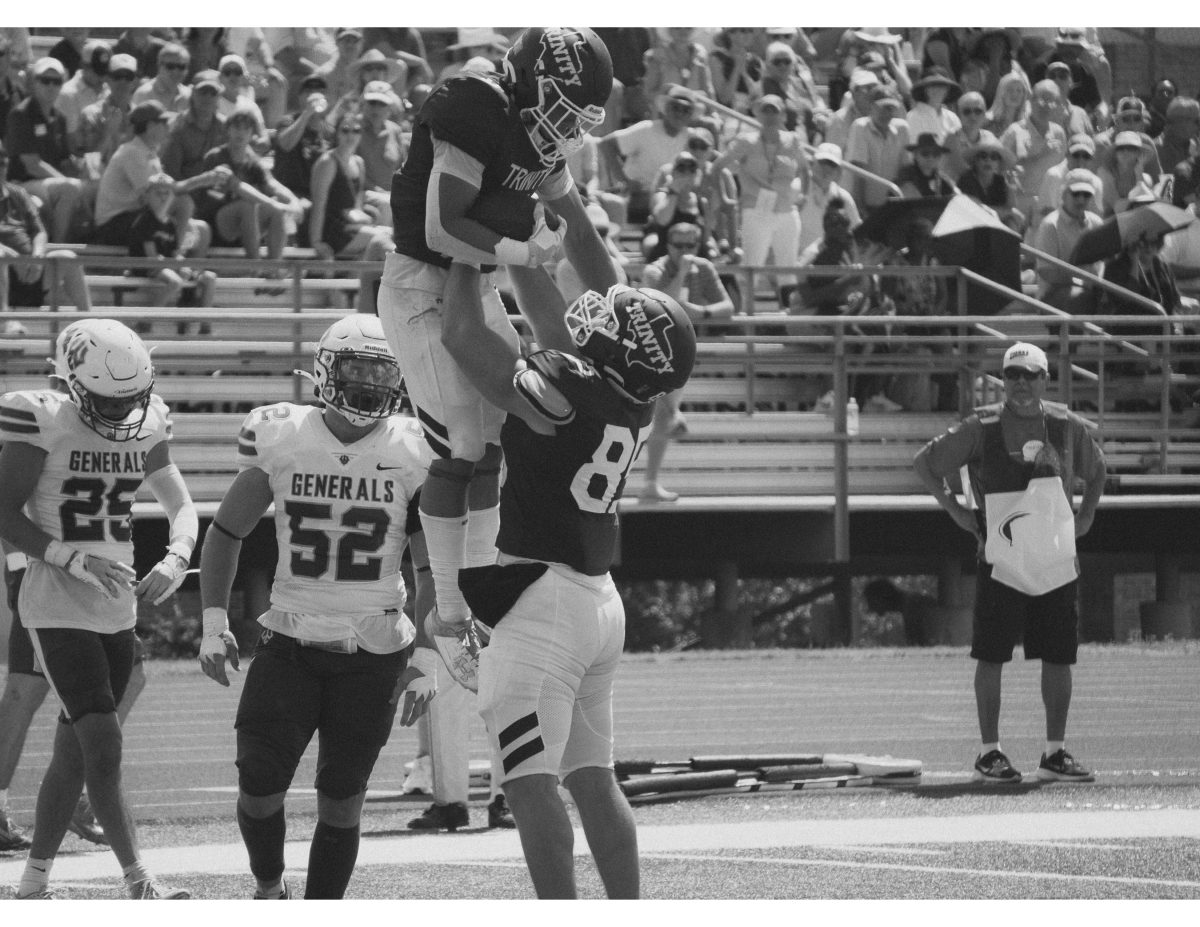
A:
852, 417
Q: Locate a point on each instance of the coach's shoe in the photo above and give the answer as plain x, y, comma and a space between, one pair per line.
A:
442, 817
1060, 766
42, 894
285, 893
458, 646
994, 766
419, 781
498, 813
149, 890
12, 835
84, 823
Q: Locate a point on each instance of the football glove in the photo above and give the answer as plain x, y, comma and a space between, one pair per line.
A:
418, 682
170, 570
75, 562
458, 646
217, 645
543, 245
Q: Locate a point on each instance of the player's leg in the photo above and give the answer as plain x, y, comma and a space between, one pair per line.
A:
356, 720
547, 837
24, 691
277, 714
609, 827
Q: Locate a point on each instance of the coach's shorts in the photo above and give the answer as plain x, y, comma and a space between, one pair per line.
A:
456, 419
292, 692
1048, 623
546, 679
88, 671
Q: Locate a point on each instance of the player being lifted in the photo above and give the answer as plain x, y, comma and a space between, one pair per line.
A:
345, 481
69, 469
478, 135
579, 412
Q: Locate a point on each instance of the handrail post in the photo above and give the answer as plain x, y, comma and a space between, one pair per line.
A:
841, 451
297, 329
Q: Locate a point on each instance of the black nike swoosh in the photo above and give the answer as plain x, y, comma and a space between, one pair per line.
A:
382, 467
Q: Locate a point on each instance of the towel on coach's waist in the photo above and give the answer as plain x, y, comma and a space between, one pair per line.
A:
491, 591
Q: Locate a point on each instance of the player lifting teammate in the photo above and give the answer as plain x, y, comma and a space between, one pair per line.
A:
69, 469
579, 412
479, 135
331, 658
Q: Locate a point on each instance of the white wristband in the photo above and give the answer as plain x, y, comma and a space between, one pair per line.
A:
181, 550
16, 561
215, 621
425, 660
511, 251
59, 554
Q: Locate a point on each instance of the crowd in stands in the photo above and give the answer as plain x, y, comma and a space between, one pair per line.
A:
776, 143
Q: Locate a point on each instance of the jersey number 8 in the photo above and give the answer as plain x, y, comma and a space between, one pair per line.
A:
598, 483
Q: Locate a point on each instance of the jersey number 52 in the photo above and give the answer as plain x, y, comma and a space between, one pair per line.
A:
349, 566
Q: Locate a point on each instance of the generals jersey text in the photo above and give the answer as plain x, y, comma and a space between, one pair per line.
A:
559, 501
472, 113
84, 498
343, 513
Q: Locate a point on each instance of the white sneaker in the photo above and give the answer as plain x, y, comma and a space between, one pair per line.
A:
458, 646
419, 780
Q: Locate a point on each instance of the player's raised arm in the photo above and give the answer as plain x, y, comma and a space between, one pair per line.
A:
583, 245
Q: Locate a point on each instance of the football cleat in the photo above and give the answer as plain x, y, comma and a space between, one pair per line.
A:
285, 893
149, 890
419, 780
12, 835
442, 817
458, 646
499, 814
84, 823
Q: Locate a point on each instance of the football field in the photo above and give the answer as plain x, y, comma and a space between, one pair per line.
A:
1133, 834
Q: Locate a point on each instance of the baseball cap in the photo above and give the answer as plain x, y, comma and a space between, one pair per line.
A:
209, 78
769, 101
145, 113
314, 82
1080, 179
1058, 67
828, 151
46, 65
126, 63
1081, 142
1127, 140
231, 61
345, 32
863, 78
1026, 356
379, 90
97, 53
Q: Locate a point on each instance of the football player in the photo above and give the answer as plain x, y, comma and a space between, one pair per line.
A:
479, 134
69, 469
579, 409
344, 479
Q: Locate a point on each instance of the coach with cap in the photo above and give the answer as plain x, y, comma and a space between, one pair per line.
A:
1023, 457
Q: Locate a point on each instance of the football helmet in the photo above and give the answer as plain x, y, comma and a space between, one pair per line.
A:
641, 340
108, 375
560, 78
355, 371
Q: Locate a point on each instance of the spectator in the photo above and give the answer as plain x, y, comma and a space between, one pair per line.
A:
11, 93
770, 167
104, 125
251, 203
995, 50
372, 66
986, 181
719, 187
1081, 153
736, 69
1057, 235
382, 148
782, 79
1131, 116
297, 53
567, 278
634, 154
406, 45
167, 87
87, 85
849, 293
878, 143
153, 234
300, 140
236, 93
1037, 143
628, 46
69, 49
802, 82
915, 609
971, 113
206, 45
824, 187
1091, 74
338, 226
679, 198
694, 283
675, 60
854, 49
266, 81
39, 152
1125, 175
1141, 269
22, 233
123, 184
198, 131
1180, 130
1074, 119
1160, 106
973, 78
473, 43
930, 113
144, 47
337, 71
1010, 105
856, 106
924, 176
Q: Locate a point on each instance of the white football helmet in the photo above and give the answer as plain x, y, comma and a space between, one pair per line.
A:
355, 371
108, 374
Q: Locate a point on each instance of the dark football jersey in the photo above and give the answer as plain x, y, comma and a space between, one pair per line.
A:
474, 114
559, 500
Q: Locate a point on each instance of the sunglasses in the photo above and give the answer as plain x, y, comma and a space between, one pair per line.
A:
685, 168
50, 81
1020, 373
1082, 194
121, 75
683, 244
681, 107
699, 146
989, 156
781, 62
1083, 155
350, 130
232, 72
207, 91
175, 66
972, 111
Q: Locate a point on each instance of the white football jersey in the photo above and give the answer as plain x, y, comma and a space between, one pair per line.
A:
343, 516
84, 498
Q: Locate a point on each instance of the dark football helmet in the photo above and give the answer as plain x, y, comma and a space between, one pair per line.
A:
560, 78
641, 341
108, 374
355, 371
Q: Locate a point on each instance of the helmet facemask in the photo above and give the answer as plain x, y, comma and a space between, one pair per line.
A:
118, 419
363, 387
556, 126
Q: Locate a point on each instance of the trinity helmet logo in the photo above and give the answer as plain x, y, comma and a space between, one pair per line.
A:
564, 47
649, 346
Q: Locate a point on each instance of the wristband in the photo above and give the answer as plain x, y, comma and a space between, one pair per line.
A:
425, 660
16, 561
511, 251
182, 550
215, 620
59, 554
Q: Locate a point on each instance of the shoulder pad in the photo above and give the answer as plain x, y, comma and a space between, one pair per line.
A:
32, 416
469, 112
535, 382
263, 429
158, 420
